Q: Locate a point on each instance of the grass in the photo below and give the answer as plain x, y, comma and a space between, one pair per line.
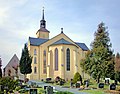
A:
93, 84
95, 91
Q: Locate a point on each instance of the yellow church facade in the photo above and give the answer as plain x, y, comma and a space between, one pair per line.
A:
58, 56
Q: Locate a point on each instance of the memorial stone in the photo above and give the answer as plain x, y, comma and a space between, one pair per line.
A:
101, 85
33, 91
77, 85
49, 90
112, 86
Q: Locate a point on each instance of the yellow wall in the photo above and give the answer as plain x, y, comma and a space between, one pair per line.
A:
76, 54
42, 34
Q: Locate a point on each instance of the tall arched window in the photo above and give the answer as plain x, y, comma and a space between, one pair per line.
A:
35, 52
35, 69
56, 59
68, 59
44, 53
35, 60
44, 62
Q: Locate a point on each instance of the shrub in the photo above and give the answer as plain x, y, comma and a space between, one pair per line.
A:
77, 77
17, 88
57, 79
9, 82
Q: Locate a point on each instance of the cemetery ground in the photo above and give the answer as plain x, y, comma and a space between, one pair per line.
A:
91, 89
66, 88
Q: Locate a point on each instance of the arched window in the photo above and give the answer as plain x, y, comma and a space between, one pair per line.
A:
35, 69
35, 60
35, 52
56, 59
44, 62
44, 53
44, 67
68, 59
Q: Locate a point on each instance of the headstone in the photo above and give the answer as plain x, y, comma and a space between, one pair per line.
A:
107, 80
112, 86
45, 87
33, 91
101, 85
48, 79
71, 84
77, 85
87, 84
61, 83
49, 90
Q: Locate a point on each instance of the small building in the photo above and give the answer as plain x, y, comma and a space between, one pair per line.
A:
12, 68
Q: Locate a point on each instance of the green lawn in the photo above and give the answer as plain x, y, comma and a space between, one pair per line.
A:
95, 91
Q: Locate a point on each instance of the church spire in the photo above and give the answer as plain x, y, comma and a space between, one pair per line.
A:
43, 14
43, 22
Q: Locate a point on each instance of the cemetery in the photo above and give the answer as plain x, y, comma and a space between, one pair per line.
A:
49, 87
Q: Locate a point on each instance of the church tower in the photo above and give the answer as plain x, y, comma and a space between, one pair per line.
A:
43, 32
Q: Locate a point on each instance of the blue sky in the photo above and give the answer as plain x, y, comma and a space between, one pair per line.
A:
20, 19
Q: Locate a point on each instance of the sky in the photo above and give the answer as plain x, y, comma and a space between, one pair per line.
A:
79, 19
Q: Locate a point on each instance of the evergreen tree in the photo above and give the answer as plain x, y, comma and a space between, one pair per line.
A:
117, 67
25, 62
99, 62
0, 68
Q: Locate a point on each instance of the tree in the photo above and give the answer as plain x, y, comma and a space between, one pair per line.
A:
99, 62
0, 67
9, 83
117, 67
25, 62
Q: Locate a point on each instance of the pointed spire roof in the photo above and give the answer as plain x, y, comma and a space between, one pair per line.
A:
43, 14
43, 22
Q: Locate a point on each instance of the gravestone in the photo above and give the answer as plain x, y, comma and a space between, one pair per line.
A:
107, 80
33, 91
48, 79
112, 86
45, 87
61, 83
71, 84
101, 85
49, 90
87, 84
77, 85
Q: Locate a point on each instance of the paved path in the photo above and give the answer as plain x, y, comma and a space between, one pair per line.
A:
59, 88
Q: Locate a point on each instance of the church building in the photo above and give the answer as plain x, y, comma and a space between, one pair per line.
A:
58, 56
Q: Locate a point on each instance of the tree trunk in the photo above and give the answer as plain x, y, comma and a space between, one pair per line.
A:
25, 78
98, 79
115, 82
